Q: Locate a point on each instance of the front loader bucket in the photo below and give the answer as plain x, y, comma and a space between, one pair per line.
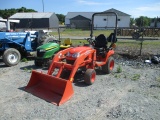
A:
50, 88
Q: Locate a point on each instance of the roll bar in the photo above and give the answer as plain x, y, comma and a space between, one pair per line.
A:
100, 13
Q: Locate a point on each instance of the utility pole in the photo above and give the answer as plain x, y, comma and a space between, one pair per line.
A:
43, 5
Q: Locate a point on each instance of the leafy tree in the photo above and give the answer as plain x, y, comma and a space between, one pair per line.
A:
143, 21
132, 21
61, 18
9, 12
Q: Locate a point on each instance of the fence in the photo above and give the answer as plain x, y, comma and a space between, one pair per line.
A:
148, 32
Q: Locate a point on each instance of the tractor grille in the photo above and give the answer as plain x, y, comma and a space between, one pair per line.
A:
40, 54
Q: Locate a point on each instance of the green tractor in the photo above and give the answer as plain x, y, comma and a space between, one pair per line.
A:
46, 52
49, 47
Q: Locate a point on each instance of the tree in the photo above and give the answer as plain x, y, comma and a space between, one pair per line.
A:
132, 22
9, 12
143, 21
61, 18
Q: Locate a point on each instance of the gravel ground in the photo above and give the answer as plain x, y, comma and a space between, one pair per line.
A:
133, 94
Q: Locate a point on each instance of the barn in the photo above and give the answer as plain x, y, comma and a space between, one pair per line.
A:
78, 19
109, 21
80, 22
100, 21
36, 20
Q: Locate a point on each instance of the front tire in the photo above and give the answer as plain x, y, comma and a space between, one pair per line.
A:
108, 67
11, 57
37, 63
90, 76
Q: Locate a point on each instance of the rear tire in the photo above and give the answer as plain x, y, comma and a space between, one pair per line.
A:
108, 67
11, 57
90, 76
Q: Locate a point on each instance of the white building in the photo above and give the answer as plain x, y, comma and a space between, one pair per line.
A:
100, 21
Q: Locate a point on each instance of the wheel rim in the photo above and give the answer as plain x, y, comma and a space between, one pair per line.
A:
13, 57
111, 65
93, 76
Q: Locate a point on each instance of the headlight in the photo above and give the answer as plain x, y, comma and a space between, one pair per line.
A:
75, 55
68, 54
60, 55
42, 50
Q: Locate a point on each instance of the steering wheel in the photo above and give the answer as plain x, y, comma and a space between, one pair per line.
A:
91, 41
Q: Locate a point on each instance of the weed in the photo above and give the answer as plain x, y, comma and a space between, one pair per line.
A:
156, 97
130, 90
25, 69
158, 79
125, 76
117, 76
24, 60
31, 70
119, 69
136, 77
28, 70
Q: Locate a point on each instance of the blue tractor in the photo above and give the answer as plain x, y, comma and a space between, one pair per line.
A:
15, 45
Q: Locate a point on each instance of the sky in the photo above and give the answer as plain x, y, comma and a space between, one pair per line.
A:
135, 8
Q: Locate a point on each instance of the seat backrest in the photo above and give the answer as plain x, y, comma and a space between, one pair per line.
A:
101, 41
67, 41
111, 37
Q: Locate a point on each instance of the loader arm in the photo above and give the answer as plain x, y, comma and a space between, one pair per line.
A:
58, 57
85, 59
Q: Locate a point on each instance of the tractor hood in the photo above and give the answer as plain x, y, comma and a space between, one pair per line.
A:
48, 46
80, 49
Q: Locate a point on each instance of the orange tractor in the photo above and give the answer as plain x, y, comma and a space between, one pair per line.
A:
56, 85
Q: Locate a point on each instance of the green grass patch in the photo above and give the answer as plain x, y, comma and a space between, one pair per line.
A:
24, 60
135, 45
80, 32
28, 70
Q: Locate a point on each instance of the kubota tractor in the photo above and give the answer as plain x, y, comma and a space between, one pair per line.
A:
56, 85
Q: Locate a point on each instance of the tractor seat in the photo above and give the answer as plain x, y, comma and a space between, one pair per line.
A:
67, 43
111, 38
100, 42
100, 45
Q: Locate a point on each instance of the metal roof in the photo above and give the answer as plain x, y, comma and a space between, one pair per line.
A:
32, 15
89, 14
84, 14
119, 13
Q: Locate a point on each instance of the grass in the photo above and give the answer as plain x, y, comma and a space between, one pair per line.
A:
80, 32
133, 43
121, 43
135, 77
